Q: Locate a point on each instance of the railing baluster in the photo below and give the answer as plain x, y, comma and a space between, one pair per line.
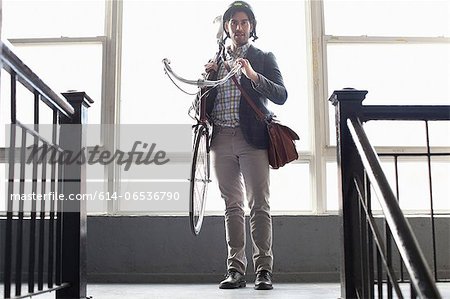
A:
430, 182
10, 206
363, 248
370, 249
379, 275
19, 231
51, 234
388, 256
378, 240
13, 97
397, 193
42, 220
413, 292
58, 253
9, 214
32, 239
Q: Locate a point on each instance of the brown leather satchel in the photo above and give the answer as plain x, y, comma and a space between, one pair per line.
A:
281, 138
281, 144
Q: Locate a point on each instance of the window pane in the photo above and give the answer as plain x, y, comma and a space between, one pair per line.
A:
409, 74
396, 133
389, 171
188, 40
332, 124
332, 187
96, 185
147, 95
68, 67
403, 74
215, 203
441, 188
290, 188
407, 133
414, 189
291, 59
414, 194
55, 18
402, 133
387, 18
439, 133
24, 107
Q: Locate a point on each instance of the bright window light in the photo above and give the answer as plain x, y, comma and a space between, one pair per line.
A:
387, 18
52, 18
185, 34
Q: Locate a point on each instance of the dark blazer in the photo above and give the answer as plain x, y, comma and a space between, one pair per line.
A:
270, 87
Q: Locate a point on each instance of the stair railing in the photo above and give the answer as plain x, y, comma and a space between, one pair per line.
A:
360, 172
44, 242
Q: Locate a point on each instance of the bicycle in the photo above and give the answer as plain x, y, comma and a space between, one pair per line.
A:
200, 165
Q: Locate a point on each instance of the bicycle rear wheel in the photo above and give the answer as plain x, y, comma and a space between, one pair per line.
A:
200, 171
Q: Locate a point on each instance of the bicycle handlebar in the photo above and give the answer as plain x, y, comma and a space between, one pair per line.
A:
200, 82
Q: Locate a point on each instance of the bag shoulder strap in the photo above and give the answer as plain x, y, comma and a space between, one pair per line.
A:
259, 113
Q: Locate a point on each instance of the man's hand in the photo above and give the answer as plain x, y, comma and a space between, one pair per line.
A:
248, 71
211, 66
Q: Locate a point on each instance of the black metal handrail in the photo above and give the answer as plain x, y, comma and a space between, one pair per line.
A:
409, 112
14, 65
359, 171
56, 241
402, 233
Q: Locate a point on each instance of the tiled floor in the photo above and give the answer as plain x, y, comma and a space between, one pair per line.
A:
206, 291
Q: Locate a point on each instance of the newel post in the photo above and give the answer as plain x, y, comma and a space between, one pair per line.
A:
348, 103
74, 215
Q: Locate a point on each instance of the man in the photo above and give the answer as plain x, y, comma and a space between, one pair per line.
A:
239, 145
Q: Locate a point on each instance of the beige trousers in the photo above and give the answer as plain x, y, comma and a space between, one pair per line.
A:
243, 170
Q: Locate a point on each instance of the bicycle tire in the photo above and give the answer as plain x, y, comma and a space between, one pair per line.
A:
200, 177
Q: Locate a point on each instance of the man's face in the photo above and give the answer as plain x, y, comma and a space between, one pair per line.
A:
239, 28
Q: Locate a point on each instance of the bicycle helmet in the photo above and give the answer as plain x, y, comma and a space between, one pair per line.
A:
240, 6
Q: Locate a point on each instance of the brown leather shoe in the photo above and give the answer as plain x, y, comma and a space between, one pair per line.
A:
233, 280
263, 280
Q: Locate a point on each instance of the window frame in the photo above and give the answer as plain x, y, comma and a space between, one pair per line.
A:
321, 151
329, 151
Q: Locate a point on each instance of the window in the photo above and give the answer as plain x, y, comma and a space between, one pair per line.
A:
398, 51
68, 67
387, 18
64, 45
185, 34
68, 18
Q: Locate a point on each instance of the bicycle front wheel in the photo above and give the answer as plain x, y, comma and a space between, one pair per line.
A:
200, 171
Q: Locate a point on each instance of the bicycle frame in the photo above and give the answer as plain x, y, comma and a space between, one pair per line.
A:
200, 165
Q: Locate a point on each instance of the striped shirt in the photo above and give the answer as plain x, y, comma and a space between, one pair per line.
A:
226, 108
